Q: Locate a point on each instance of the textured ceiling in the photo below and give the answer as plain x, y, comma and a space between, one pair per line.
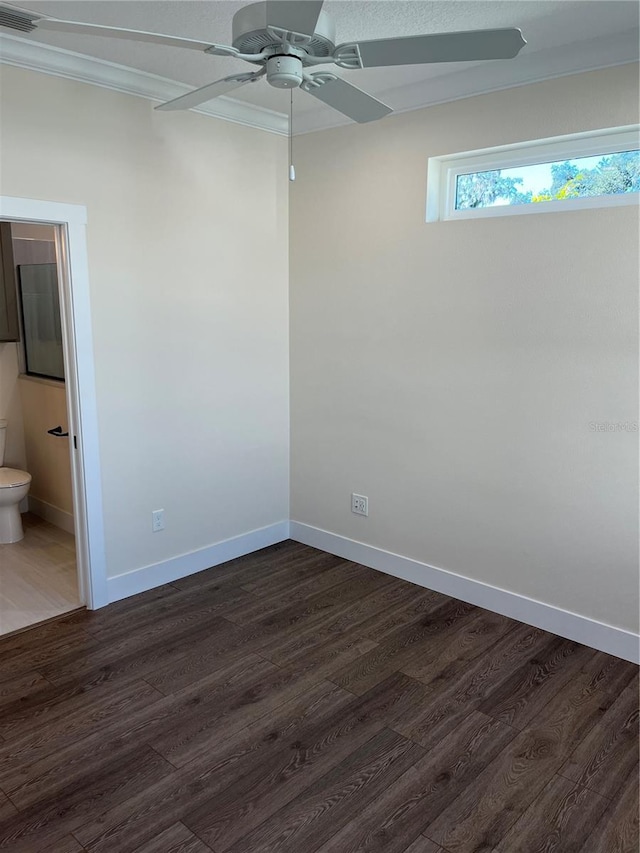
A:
589, 32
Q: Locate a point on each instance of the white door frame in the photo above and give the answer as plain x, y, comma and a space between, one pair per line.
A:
75, 311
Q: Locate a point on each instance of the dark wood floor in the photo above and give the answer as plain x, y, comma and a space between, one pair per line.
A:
291, 701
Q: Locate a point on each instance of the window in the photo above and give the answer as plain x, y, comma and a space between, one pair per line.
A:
595, 169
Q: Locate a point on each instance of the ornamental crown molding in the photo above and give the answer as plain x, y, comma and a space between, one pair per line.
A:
36, 56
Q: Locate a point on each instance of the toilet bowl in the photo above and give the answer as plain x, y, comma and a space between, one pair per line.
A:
14, 486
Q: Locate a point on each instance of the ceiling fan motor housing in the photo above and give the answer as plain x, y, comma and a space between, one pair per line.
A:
253, 31
284, 72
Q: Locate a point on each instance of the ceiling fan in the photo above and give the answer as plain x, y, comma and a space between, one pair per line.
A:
287, 37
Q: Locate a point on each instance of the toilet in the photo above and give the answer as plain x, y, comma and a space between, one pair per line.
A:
14, 485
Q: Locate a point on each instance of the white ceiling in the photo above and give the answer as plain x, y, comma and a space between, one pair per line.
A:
563, 37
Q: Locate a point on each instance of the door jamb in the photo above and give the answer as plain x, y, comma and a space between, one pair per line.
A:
75, 310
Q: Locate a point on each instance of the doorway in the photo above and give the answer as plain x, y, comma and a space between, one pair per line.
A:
83, 537
38, 574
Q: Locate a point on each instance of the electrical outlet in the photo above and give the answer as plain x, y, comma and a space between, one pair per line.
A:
157, 520
359, 504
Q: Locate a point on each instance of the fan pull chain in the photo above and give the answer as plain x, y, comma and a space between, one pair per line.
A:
292, 168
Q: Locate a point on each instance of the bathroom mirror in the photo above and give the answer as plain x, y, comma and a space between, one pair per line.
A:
40, 306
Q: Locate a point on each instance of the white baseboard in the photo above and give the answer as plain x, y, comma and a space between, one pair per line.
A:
58, 517
572, 626
148, 577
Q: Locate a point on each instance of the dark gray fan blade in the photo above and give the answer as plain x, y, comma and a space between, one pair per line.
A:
442, 47
23, 21
297, 16
347, 99
211, 91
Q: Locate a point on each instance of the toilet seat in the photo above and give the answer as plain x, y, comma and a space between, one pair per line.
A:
10, 477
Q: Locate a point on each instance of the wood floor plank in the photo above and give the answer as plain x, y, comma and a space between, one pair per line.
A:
262, 564
347, 619
60, 709
255, 797
7, 809
518, 699
609, 752
171, 614
317, 609
121, 735
28, 656
235, 751
460, 686
314, 816
322, 605
122, 829
41, 635
75, 720
20, 687
403, 646
618, 829
391, 822
67, 845
419, 602
484, 813
273, 600
228, 757
285, 648
214, 653
134, 656
423, 845
471, 639
296, 570
230, 712
176, 839
119, 613
39, 828
213, 650
383, 611
563, 817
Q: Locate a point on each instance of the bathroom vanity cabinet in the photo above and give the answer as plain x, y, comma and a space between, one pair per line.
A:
9, 329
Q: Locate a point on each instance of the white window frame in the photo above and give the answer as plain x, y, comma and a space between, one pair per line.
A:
443, 172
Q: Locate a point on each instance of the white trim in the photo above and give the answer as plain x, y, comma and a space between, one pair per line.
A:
564, 623
71, 244
53, 514
148, 577
444, 171
46, 59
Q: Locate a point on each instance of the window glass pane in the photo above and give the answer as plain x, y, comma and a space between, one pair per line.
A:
41, 319
609, 174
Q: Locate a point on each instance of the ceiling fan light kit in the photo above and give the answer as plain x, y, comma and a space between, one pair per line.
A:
285, 38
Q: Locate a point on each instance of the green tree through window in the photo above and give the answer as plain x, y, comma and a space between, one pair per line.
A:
483, 189
611, 174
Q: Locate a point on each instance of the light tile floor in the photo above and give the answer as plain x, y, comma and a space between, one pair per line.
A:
38, 578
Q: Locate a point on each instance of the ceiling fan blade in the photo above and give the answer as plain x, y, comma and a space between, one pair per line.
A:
342, 96
440, 47
23, 21
211, 91
297, 16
